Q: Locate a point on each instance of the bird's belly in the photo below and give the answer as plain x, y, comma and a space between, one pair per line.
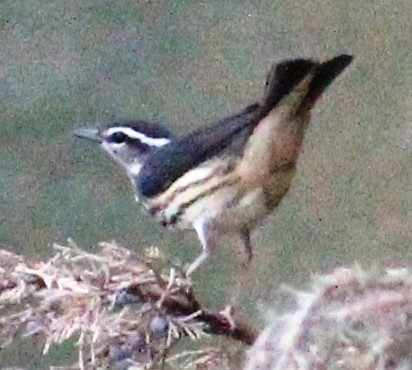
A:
230, 210
199, 202
202, 192
245, 212
223, 200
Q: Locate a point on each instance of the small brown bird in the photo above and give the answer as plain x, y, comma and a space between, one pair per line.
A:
225, 178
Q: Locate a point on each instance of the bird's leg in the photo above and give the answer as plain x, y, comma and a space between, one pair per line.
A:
241, 278
246, 252
207, 233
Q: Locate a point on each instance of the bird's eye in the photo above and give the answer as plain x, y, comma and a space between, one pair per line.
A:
117, 137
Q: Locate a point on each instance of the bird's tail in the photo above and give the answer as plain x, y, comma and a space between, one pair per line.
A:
297, 84
272, 150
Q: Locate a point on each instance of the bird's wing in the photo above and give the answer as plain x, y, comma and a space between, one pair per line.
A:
171, 161
291, 85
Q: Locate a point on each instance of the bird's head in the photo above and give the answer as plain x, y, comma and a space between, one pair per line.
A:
129, 144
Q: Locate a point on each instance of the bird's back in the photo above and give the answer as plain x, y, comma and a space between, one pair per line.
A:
242, 161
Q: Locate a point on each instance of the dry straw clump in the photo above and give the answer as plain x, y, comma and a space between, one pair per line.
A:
127, 314
351, 319
124, 314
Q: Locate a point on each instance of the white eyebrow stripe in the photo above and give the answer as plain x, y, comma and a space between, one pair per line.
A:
138, 135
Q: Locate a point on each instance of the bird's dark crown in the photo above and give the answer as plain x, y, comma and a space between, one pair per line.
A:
137, 130
141, 135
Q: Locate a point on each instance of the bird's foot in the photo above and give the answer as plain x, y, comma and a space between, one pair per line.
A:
195, 264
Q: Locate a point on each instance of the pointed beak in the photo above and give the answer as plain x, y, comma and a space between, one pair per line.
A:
88, 133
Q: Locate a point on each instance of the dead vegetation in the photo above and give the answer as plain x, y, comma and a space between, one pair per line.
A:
125, 312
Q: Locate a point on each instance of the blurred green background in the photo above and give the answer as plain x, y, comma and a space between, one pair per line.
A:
75, 63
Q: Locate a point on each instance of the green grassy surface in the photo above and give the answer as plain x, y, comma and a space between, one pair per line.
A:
68, 64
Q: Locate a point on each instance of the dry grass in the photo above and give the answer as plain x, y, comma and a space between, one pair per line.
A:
351, 319
126, 313
122, 311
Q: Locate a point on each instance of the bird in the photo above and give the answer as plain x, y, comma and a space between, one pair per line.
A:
224, 178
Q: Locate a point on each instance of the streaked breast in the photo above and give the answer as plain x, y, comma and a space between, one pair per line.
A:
202, 192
